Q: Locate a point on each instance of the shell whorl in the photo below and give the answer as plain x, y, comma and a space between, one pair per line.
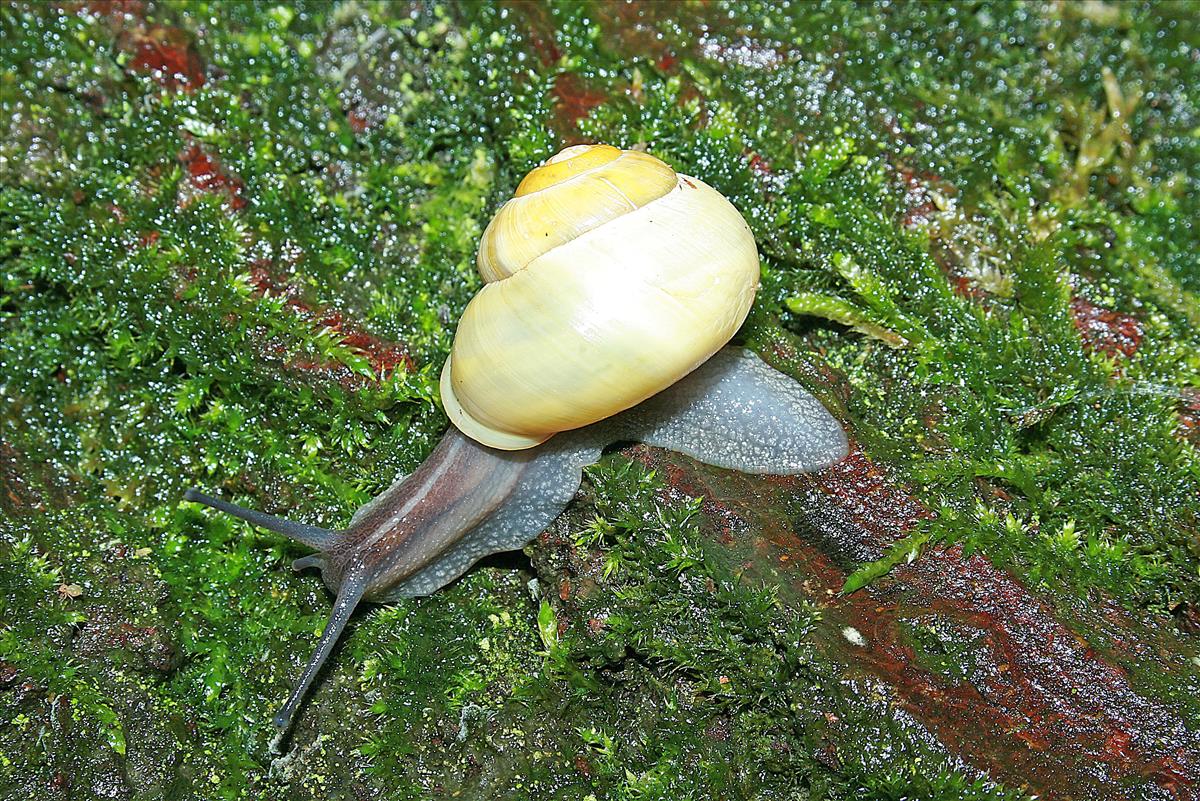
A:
575, 191
610, 277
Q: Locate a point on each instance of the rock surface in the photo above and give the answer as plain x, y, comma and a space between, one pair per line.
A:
235, 239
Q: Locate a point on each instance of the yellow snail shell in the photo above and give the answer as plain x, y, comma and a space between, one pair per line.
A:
610, 277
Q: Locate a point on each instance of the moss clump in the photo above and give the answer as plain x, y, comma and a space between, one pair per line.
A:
234, 239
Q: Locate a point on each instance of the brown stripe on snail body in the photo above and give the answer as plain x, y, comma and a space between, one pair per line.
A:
613, 285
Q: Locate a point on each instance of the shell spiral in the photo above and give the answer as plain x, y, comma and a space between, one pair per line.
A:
610, 277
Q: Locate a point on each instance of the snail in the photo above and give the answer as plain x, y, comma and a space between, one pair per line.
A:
613, 287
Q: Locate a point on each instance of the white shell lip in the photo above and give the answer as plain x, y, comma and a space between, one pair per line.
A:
501, 440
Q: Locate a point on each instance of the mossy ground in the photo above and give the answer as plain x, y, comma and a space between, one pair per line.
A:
235, 237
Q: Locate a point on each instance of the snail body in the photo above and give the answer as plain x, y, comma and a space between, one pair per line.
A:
540, 381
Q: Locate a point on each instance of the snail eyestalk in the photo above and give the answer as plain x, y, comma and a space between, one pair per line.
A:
349, 595
312, 536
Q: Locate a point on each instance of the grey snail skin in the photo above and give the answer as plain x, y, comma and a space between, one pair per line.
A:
613, 285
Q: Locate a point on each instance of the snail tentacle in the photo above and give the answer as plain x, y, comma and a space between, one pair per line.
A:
312, 536
350, 593
305, 562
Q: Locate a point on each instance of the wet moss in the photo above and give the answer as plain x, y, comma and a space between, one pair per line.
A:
234, 239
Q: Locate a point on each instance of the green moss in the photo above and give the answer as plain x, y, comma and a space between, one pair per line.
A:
1039, 153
